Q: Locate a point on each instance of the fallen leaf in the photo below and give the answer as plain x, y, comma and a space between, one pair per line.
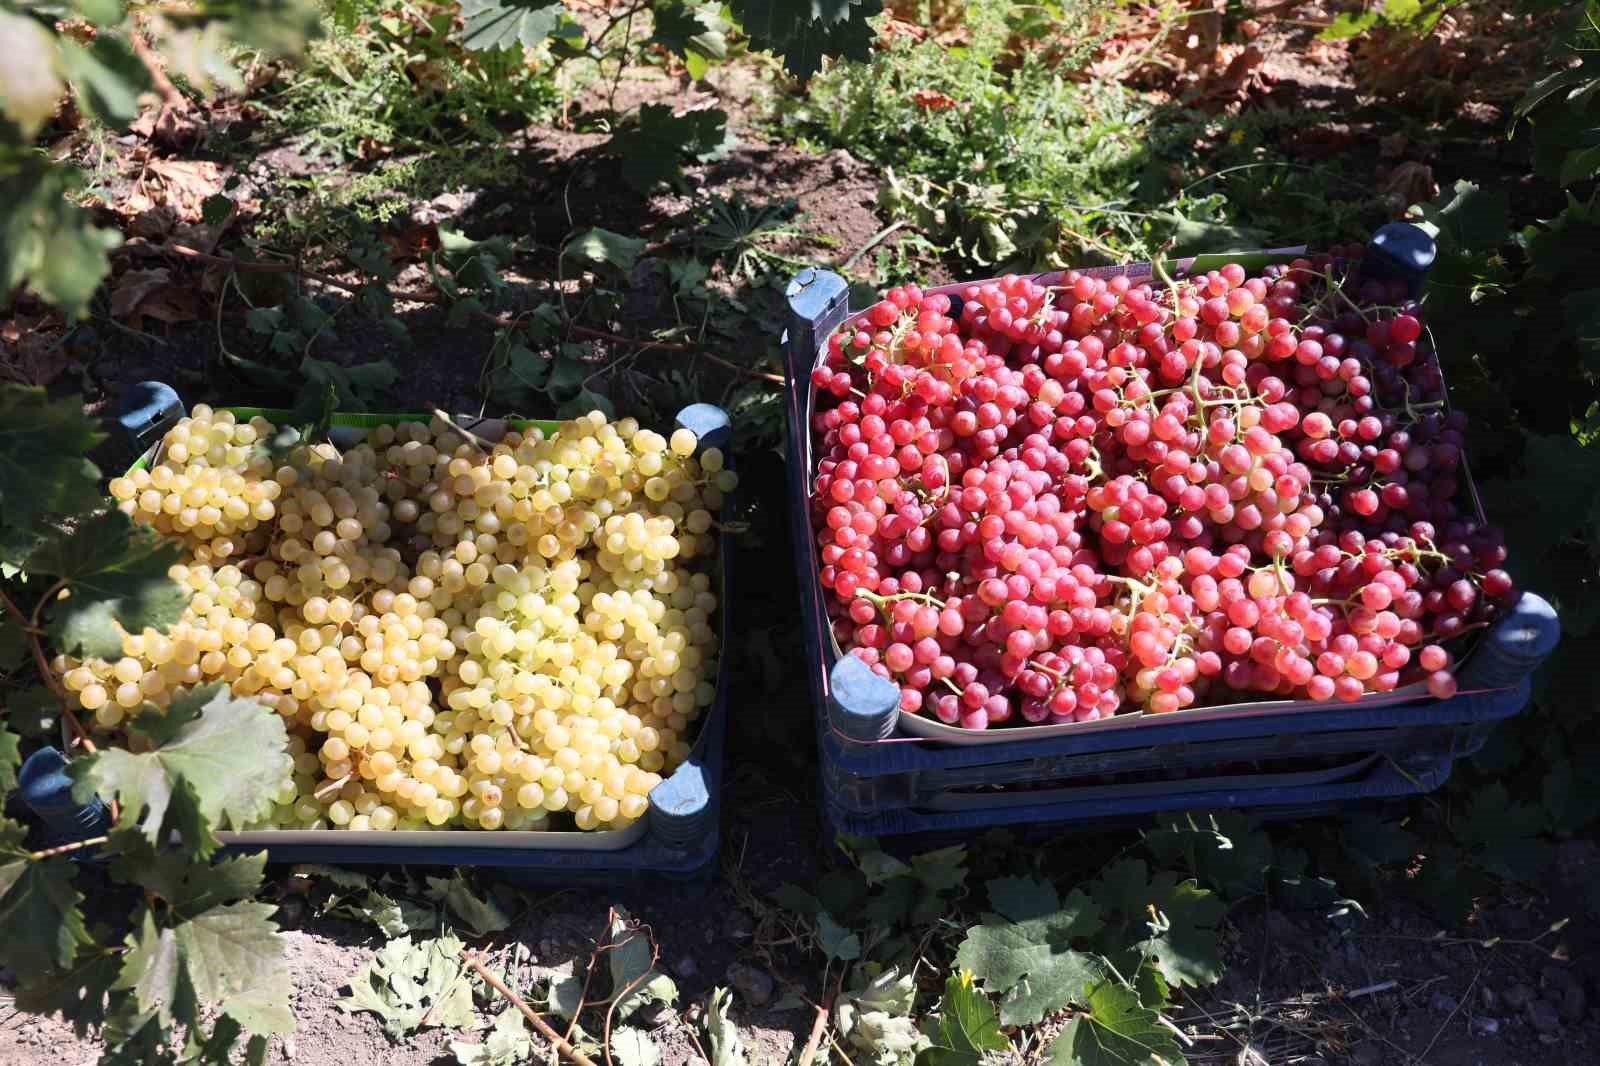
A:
185, 184
133, 287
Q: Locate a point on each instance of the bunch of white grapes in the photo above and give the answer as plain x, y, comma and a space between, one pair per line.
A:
456, 633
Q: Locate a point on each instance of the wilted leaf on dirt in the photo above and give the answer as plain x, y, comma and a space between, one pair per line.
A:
1117, 1031
727, 1049
476, 914
631, 968
876, 1018
507, 1044
181, 185
633, 1047
603, 247
409, 984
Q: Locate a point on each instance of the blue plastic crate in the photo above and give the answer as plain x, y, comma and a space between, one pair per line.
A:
681, 827
878, 779
1268, 796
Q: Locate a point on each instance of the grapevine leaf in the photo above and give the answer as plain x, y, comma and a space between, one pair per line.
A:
1153, 989
13, 645
1031, 963
116, 573
107, 75
1171, 922
355, 386
804, 31
727, 1049
632, 968
216, 744
1349, 24
10, 759
601, 246
279, 28
42, 446
177, 878
836, 941
1468, 217
508, 1043
1225, 852
78, 995
875, 864
942, 869
44, 926
652, 147
1021, 898
229, 958
490, 25
30, 87
966, 1028
409, 984
49, 242
33, 712
698, 33
477, 915
1117, 1031
796, 900
13, 856
633, 1047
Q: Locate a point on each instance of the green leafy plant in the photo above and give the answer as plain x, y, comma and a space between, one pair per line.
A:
47, 239
174, 962
1501, 288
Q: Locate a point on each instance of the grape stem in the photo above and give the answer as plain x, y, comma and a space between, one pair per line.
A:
35, 856
30, 626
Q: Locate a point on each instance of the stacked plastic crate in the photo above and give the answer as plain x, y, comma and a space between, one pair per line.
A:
885, 774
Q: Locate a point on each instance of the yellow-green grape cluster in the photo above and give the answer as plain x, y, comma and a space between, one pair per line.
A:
456, 634
211, 485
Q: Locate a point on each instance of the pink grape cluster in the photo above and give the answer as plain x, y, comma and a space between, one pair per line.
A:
1053, 503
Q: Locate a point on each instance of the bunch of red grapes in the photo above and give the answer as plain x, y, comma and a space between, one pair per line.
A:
1040, 504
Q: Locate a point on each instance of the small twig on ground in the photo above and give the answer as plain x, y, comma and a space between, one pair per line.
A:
1369, 990
256, 266
814, 1041
1183, 1037
1465, 996
555, 1038
872, 242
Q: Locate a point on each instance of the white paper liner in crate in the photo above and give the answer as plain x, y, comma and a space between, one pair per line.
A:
926, 728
